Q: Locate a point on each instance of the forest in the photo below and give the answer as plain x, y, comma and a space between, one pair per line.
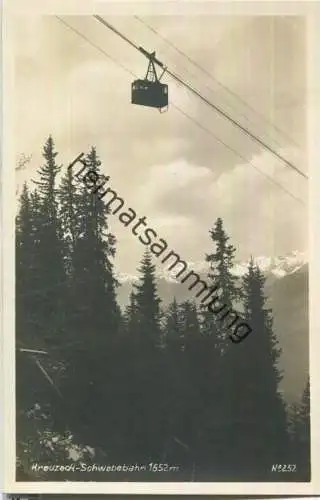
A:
99, 383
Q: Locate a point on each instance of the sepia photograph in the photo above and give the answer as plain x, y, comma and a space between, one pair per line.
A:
161, 249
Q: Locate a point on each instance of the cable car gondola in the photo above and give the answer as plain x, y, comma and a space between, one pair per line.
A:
150, 91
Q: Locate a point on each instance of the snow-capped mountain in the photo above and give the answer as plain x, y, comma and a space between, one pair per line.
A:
124, 278
275, 266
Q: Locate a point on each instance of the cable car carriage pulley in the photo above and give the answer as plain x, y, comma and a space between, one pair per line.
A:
150, 91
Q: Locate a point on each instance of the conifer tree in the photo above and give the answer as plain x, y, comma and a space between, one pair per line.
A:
25, 313
47, 183
131, 318
304, 431
32, 388
191, 327
49, 253
149, 409
301, 432
148, 303
212, 350
94, 315
221, 262
257, 432
69, 199
173, 327
93, 283
177, 383
225, 293
203, 382
191, 366
25, 267
39, 286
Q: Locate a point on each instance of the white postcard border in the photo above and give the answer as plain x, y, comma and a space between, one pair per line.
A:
32, 7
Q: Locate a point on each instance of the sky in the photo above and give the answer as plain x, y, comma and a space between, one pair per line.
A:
184, 168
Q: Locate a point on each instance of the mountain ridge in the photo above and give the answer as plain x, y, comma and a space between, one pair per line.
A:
277, 266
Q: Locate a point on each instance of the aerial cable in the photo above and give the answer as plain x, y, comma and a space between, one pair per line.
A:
237, 124
112, 28
218, 82
203, 98
239, 155
202, 127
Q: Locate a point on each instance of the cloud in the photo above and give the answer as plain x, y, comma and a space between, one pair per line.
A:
175, 176
166, 166
260, 213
